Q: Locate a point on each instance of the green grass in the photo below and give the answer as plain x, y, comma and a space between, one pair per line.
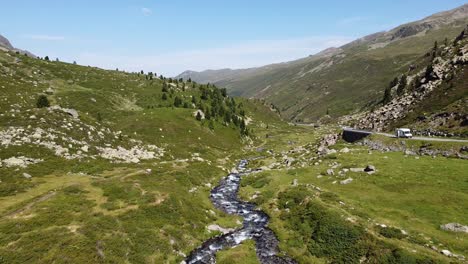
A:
242, 254
93, 210
417, 195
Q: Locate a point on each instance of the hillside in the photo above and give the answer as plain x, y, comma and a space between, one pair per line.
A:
337, 80
431, 97
93, 162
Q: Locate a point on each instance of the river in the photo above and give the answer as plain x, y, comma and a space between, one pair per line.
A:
224, 197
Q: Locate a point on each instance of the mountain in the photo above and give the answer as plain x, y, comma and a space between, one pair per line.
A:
430, 98
342, 80
6, 46
5, 43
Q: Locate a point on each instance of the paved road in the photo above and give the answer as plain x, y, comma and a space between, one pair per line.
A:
426, 138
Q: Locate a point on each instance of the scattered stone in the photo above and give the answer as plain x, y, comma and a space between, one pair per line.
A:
148, 171
27, 176
330, 172
347, 181
295, 182
356, 169
344, 150
446, 253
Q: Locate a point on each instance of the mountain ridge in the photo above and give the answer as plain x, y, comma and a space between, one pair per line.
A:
309, 88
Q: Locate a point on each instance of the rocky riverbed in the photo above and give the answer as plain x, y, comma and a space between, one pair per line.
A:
224, 197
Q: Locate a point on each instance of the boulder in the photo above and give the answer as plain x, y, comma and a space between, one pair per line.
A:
344, 150
369, 168
295, 182
347, 181
14, 162
454, 227
356, 169
27, 176
330, 172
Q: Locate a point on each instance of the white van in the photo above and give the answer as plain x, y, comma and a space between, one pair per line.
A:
403, 133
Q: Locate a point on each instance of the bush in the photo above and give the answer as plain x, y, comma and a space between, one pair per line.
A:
391, 232
42, 102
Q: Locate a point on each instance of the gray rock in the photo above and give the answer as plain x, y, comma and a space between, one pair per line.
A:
447, 253
356, 169
347, 181
330, 172
27, 176
295, 182
454, 227
369, 168
344, 150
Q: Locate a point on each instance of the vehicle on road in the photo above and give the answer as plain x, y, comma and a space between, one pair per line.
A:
403, 133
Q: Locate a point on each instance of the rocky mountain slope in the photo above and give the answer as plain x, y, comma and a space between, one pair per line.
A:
335, 82
431, 96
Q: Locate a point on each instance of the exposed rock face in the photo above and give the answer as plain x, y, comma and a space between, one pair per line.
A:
5, 43
450, 61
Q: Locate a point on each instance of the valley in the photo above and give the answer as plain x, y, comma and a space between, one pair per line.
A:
295, 162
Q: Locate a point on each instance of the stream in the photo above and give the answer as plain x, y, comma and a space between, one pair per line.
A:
224, 197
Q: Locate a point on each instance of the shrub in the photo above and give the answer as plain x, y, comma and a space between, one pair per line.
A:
42, 102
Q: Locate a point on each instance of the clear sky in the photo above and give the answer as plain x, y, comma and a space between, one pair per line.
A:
170, 36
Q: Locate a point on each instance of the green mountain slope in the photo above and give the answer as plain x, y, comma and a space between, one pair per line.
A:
111, 172
341, 81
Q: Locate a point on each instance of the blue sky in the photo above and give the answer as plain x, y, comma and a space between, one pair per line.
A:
170, 36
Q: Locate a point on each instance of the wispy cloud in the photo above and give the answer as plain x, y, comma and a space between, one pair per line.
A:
352, 20
241, 55
45, 37
146, 11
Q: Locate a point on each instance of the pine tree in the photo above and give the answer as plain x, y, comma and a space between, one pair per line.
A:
387, 95
177, 101
199, 116
46, 58
164, 96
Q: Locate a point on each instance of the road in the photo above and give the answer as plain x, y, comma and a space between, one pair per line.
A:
414, 138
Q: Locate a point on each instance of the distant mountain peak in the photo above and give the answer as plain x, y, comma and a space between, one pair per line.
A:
6, 45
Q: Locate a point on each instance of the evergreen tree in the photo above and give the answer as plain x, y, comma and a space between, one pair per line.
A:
387, 95
42, 101
428, 73
164, 88
177, 101
199, 116
164, 96
46, 58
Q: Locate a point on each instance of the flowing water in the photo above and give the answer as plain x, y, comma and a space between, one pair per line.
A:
224, 197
